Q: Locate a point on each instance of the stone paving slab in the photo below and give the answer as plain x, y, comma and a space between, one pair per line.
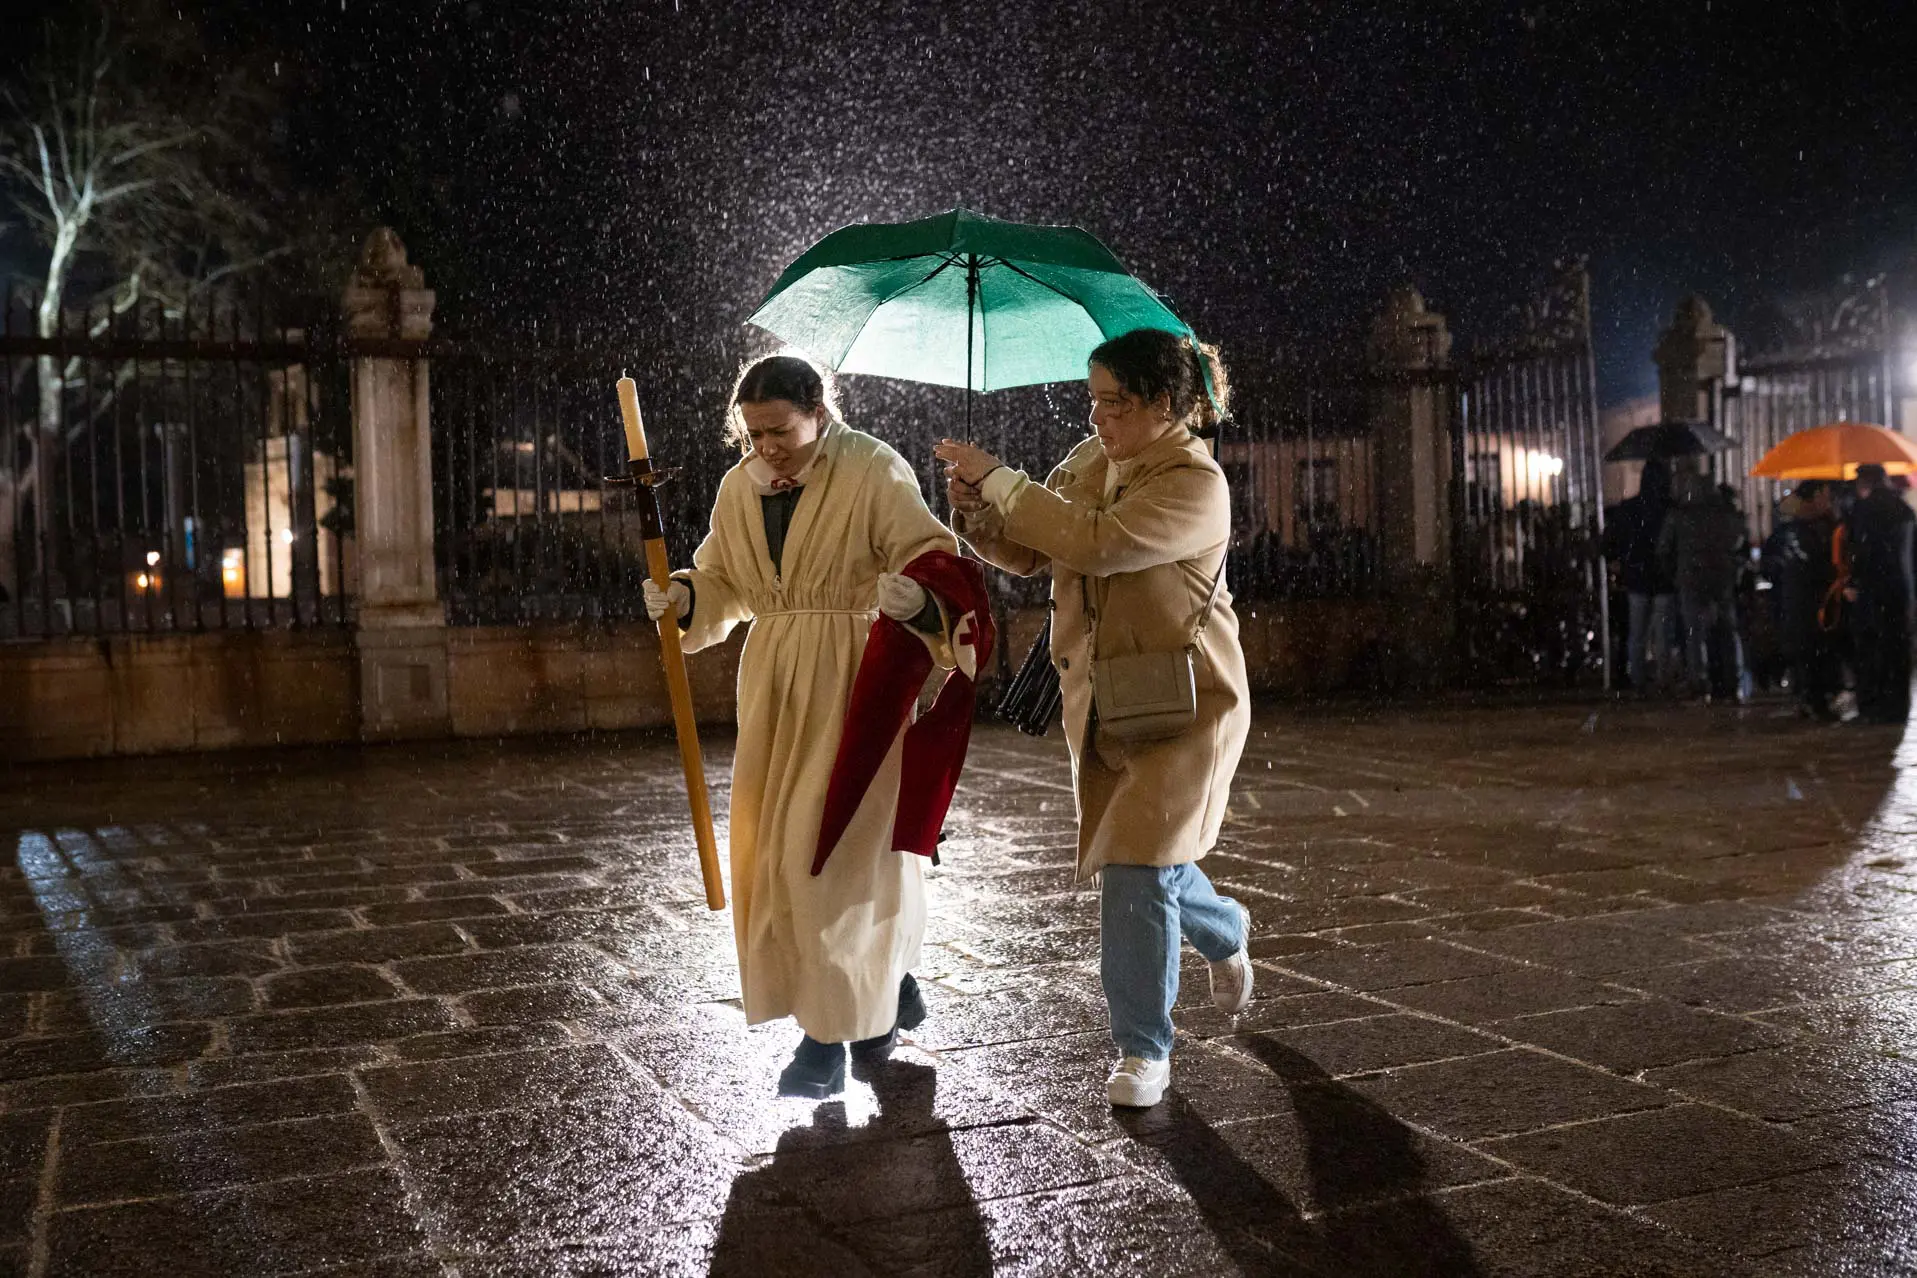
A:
1537, 995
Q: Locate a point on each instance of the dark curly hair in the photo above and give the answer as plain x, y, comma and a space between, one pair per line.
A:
786, 377
1149, 362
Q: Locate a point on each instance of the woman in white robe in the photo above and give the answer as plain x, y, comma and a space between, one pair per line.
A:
809, 534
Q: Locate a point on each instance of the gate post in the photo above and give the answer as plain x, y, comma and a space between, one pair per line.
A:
402, 623
1410, 349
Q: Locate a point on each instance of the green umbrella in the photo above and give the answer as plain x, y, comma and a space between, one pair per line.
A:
959, 300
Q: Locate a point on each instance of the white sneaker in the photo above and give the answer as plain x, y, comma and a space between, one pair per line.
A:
1231, 978
1137, 1083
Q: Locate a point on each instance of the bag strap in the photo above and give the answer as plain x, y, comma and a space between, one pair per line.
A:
1204, 613
1211, 600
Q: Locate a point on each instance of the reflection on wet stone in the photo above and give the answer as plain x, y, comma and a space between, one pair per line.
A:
481, 1022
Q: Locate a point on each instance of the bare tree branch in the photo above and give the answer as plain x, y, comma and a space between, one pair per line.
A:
139, 162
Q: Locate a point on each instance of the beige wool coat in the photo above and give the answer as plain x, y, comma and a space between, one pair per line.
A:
827, 951
1146, 548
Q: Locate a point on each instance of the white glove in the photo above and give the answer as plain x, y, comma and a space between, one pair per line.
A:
900, 598
675, 596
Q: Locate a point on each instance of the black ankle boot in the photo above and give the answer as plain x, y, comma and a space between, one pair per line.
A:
911, 1003
817, 1070
911, 1015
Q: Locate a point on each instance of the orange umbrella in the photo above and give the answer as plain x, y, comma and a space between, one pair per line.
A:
1836, 451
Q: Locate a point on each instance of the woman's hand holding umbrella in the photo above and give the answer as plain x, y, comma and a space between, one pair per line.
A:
965, 462
965, 498
966, 466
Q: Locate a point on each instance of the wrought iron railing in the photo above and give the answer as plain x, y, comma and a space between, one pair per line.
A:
525, 436
1527, 498
171, 469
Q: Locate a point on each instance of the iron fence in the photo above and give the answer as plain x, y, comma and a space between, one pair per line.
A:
1302, 462
528, 530
193, 470
1778, 395
526, 527
1811, 359
171, 469
1300, 457
1528, 501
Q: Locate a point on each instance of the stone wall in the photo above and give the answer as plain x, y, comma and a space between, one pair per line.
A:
71, 699
506, 680
137, 694
80, 698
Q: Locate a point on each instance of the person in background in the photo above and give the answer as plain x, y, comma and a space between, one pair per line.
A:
1878, 533
1703, 543
1798, 563
1743, 597
1630, 542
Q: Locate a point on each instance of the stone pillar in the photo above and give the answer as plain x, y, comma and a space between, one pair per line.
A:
1414, 437
1903, 373
402, 623
1695, 357
1412, 419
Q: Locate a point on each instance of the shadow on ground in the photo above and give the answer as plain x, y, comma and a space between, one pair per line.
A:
1354, 1153
904, 1163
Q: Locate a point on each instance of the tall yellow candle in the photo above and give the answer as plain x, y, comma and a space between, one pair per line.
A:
671, 656
635, 428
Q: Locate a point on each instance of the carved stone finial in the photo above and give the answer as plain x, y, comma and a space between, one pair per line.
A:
387, 297
1694, 345
1405, 304
1693, 315
1407, 335
1692, 354
383, 264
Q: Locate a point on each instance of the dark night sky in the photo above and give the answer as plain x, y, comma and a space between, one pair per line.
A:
1273, 168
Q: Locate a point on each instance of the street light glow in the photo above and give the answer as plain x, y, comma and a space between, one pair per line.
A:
1543, 465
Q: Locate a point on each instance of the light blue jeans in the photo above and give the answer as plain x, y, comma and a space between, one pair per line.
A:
1143, 910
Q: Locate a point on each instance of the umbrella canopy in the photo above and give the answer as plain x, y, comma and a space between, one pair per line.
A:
959, 299
1836, 451
1668, 439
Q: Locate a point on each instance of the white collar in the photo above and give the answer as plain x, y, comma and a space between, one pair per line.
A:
768, 481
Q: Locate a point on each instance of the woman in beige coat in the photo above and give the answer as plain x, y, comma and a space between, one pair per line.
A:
1135, 522
809, 535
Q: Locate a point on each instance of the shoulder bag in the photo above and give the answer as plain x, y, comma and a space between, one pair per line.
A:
1147, 696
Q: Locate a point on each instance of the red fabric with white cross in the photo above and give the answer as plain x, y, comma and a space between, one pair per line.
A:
892, 672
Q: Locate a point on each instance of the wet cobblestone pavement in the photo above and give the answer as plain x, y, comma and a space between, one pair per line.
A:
1539, 993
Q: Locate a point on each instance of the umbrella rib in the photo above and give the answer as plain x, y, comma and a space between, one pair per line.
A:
948, 260
933, 274
1014, 269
